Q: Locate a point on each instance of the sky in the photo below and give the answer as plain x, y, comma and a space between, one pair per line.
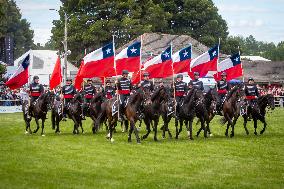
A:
264, 19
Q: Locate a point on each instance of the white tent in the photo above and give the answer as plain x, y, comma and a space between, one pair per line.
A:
42, 63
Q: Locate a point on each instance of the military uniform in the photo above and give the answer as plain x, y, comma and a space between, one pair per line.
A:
124, 87
109, 92
180, 91
252, 93
146, 84
222, 89
196, 84
68, 92
90, 92
36, 90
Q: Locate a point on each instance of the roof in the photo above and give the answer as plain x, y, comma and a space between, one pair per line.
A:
155, 43
263, 71
254, 58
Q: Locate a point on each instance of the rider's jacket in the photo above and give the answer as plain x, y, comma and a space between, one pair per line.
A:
68, 91
180, 88
145, 84
124, 86
251, 91
90, 91
222, 86
196, 84
36, 89
109, 92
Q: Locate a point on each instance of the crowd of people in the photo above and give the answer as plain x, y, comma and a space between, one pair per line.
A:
269, 89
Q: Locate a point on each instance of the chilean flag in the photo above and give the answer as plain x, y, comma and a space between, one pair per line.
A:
205, 62
21, 76
79, 79
161, 65
128, 58
181, 60
99, 63
56, 76
232, 66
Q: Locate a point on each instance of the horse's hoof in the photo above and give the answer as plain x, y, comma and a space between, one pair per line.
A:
26, 132
43, 135
129, 139
231, 135
138, 142
261, 132
112, 140
255, 133
74, 132
176, 137
191, 138
156, 140
144, 137
247, 133
211, 135
34, 131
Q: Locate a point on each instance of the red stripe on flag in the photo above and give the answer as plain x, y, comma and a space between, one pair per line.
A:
56, 76
160, 70
182, 66
19, 80
204, 68
131, 64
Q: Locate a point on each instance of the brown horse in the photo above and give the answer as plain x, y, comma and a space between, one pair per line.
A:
231, 108
258, 112
56, 113
134, 104
38, 110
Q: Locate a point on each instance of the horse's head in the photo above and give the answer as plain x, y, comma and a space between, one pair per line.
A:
267, 100
78, 97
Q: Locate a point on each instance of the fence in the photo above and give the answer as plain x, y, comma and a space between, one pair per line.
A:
279, 101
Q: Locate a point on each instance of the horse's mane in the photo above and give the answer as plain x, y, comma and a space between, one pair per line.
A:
156, 94
76, 97
133, 98
189, 95
97, 97
264, 97
231, 92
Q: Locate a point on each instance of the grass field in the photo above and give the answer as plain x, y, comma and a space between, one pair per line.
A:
90, 161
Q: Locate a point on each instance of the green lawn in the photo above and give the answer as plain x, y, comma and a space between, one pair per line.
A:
90, 161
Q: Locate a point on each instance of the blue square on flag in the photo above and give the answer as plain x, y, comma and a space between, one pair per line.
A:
185, 53
236, 59
166, 55
26, 62
108, 50
134, 49
213, 52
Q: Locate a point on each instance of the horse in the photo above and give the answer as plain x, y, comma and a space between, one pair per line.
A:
210, 104
56, 113
134, 104
38, 110
74, 112
258, 112
231, 108
95, 109
152, 110
193, 105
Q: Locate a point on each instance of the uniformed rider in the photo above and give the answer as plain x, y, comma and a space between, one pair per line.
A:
222, 89
196, 83
146, 83
180, 92
68, 92
109, 90
251, 92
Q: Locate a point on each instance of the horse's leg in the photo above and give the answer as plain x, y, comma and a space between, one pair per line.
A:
168, 119
148, 128
130, 131
227, 117
181, 124
37, 125
164, 125
200, 129
156, 121
42, 127
262, 119
176, 125
245, 124
233, 127
111, 129
135, 132
53, 120
255, 125
81, 125
57, 119
190, 129
227, 129
203, 126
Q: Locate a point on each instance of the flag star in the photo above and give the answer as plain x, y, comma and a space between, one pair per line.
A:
214, 53
133, 50
166, 54
108, 50
237, 59
185, 54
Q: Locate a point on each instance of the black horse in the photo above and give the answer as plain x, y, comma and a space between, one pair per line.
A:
152, 110
210, 104
38, 110
74, 112
193, 105
56, 113
258, 112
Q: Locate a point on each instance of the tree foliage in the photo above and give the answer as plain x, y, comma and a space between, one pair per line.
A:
92, 23
11, 24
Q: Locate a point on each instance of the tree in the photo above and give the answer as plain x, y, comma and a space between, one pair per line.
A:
11, 24
92, 23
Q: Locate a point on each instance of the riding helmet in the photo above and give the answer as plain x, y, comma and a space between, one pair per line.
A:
36, 77
89, 80
69, 79
250, 79
125, 72
196, 73
180, 76
108, 81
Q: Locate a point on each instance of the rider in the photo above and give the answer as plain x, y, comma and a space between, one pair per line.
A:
109, 90
196, 83
90, 91
124, 87
180, 91
68, 92
36, 89
252, 94
222, 89
146, 84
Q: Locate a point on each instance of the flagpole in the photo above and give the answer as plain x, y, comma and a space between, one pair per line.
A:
173, 79
114, 63
218, 57
141, 39
243, 77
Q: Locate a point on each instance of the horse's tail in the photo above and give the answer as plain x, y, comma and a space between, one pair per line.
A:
223, 120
